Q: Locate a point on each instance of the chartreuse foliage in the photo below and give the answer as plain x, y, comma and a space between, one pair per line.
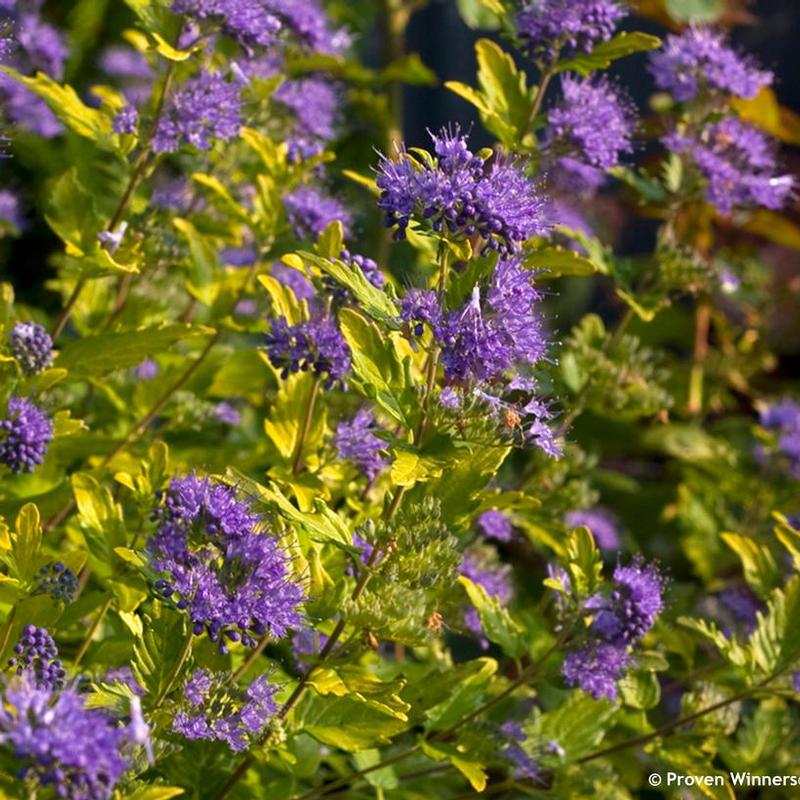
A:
304, 523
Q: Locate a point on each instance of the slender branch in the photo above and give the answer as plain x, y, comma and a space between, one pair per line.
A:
297, 460
175, 671
541, 90
87, 640
694, 404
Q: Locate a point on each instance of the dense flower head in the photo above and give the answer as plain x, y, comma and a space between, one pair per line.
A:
126, 121
219, 712
315, 345
421, 307
601, 523
494, 524
545, 27
25, 433
36, 654
483, 568
215, 562
589, 129
635, 601
700, 58
59, 742
314, 103
738, 163
205, 108
595, 668
249, 22
309, 26
459, 194
57, 580
355, 441
32, 346
309, 210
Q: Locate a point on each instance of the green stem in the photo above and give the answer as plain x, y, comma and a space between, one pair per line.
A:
87, 640
175, 671
7, 631
297, 461
536, 106
694, 404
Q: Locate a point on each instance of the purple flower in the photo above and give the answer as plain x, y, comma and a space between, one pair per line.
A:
131, 69
126, 121
309, 210
228, 414
219, 712
310, 26
368, 266
231, 577
57, 580
482, 567
314, 102
545, 27
355, 441
10, 211
301, 287
525, 767
24, 435
796, 682
456, 193
743, 604
495, 525
700, 58
589, 129
125, 676
315, 345
420, 307
205, 108
249, 22
601, 523
596, 668
59, 742
783, 418
36, 655
635, 602
147, 370
32, 346
738, 163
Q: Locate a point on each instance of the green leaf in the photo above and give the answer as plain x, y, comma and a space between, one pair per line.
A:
153, 793
466, 696
695, 10
775, 643
481, 14
204, 263
156, 654
758, 563
474, 771
284, 424
640, 689
354, 681
345, 722
583, 562
26, 542
497, 624
99, 355
623, 44
729, 648
557, 261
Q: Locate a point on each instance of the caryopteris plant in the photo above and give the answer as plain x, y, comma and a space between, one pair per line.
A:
337, 466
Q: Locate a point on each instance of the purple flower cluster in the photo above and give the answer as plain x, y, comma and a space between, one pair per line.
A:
314, 103
25, 433
355, 441
525, 766
315, 345
38, 47
601, 523
205, 108
483, 568
10, 211
700, 59
130, 69
292, 278
126, 121
621, 619
58, 581
309, 25
546, 27
738, 163
309, 210
32, 346
36, 654
457, 193
589, 130
783, 418
742, 604
220, 713
249, 22
214, 561
372, 272
59, 742
494, 524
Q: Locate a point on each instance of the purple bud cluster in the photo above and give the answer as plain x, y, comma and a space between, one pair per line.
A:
494, 524
205, 108
218, 712
457, 193
36, 654
309, 210
25, 433
589, 130
32, 346
368, 266
59, 742
314, 103
621, 619
601, 523
355, 441
738, 163
315, 345
547, 27
700, 59
214, 561
58, 581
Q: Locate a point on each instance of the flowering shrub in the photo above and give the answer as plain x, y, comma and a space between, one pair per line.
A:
333, 465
